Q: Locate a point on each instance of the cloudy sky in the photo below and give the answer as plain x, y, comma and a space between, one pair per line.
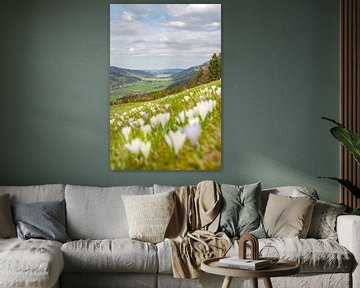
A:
157, 36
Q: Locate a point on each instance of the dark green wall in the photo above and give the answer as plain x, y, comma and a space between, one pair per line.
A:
280, 75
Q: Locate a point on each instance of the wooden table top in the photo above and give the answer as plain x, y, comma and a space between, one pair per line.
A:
281, 268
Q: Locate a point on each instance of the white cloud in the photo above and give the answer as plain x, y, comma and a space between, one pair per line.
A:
164, 40
178, 10
155, 36
178, 24
214, 25
127, 16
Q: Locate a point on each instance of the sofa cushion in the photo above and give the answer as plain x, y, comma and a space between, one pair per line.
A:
323, 222
116, 255
36, 193
30, 263
7, 226
43, 220
149, 215
291, 191
313, 255
287, 216
240, 210
98, 213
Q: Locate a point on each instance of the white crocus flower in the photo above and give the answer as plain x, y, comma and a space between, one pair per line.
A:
203, 110
218, 91
134, 146
163, 118
126, 132
175, 140
205, 107
153, 121
112, 121
145, 148
186, 98
146, 129
182, 116
189, 113
140, 122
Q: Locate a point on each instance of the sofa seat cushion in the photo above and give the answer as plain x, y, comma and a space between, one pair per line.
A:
115, 255
30, 263
313, 255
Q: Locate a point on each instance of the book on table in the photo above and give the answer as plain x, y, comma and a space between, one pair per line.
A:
249, 264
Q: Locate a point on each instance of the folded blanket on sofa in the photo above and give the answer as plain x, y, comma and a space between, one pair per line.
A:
191, 231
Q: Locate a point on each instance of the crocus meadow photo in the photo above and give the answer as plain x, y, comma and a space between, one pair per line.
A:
165, 86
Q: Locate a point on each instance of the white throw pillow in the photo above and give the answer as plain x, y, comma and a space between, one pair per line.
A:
149, 215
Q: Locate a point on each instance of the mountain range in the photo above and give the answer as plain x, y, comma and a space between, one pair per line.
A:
121, 76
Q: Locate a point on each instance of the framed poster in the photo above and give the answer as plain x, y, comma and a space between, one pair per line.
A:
165, 86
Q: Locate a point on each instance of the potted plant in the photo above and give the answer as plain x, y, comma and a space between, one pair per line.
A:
351, 141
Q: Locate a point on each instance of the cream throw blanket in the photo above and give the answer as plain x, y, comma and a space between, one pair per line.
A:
191, 231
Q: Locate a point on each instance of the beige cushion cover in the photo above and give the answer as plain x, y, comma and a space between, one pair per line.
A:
149, 215
287, 217
7, 226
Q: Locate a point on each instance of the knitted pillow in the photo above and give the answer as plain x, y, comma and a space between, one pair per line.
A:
149, 215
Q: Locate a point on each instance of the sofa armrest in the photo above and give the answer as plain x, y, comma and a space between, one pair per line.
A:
348, 230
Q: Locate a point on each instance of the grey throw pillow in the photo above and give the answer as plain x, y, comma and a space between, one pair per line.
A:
323, 222
7, 227
240, 213
44, 220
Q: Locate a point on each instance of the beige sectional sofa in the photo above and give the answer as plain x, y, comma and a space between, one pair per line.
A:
101, 254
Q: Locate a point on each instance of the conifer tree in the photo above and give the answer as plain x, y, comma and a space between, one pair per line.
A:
215, 67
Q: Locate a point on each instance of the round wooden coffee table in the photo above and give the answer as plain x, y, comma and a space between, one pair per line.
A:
281, 268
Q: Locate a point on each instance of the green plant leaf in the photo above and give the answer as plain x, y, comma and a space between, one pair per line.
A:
355, 211
347, 184
348, 138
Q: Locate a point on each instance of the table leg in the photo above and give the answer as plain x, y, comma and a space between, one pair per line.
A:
254, 282
267, 283
227, 282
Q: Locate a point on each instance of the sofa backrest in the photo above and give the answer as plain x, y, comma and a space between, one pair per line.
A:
36, 193
163, 188
293, 191
98, 213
